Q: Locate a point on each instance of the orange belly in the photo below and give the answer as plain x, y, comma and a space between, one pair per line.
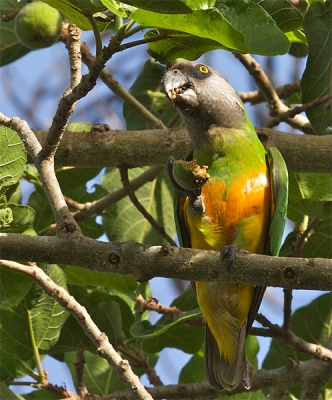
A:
238, 214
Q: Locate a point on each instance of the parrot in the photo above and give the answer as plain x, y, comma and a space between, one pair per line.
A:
230, 194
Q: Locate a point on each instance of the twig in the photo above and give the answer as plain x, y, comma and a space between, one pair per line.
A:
79, 369
302, 238
75, 56
105, 349
125, 182
285, 91
270, 94
153, 305
285, 116
295, 342
288, 297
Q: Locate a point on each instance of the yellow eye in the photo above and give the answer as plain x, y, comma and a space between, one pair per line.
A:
204, 69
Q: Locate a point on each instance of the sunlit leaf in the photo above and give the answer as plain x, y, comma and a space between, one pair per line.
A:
316, 80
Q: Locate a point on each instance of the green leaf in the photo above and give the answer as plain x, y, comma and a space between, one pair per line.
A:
183, 337
13, 287
148, 80
81, 276
99, 377
12, 158
144, 329
12, 366
47, 316
311, 323
319, 243
7, 394
179, 45
117, 7
10, 47
78, 10
122, 221
6, 214
237, 26
193, 371
161, 6
286, 16
316, 80
23, 217
44, 216
309, 194
107, 317
39, 313
71, 178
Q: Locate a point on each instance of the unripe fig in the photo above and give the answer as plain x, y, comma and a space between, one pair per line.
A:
38, 25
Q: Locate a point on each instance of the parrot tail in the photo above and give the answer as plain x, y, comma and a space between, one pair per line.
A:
224, 375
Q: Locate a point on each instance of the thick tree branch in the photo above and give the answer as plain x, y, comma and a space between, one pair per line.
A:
100, 147
105, 349
144, 262
290, 375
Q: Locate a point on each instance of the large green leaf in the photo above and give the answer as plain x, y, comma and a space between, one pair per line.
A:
122, 221
23, 218
144, 329
7, 394
10, 47
99, 377
13, 287
107, 316
146, 89
320, 242
179, 45
180, 336
78, 11
12, 366
238, 26
38, 315
312, 323
80, 276
316, 81
44, 216
161, 6
309, 194
12, 158
47, 316
286, 16
193, 371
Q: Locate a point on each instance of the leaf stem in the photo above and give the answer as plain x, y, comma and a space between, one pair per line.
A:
118, 22
96, 33
35, 349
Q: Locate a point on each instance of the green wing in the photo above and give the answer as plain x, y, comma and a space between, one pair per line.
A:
279, 182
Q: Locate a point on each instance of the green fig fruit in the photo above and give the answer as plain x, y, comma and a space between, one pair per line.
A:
38, 25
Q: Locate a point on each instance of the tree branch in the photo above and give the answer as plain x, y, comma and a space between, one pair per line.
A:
295, 372
105, 349
302, 153
66, 225
145, 262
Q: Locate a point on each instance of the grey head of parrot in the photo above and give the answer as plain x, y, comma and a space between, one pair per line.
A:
203, 98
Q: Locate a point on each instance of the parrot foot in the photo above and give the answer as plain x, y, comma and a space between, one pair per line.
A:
229, 252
